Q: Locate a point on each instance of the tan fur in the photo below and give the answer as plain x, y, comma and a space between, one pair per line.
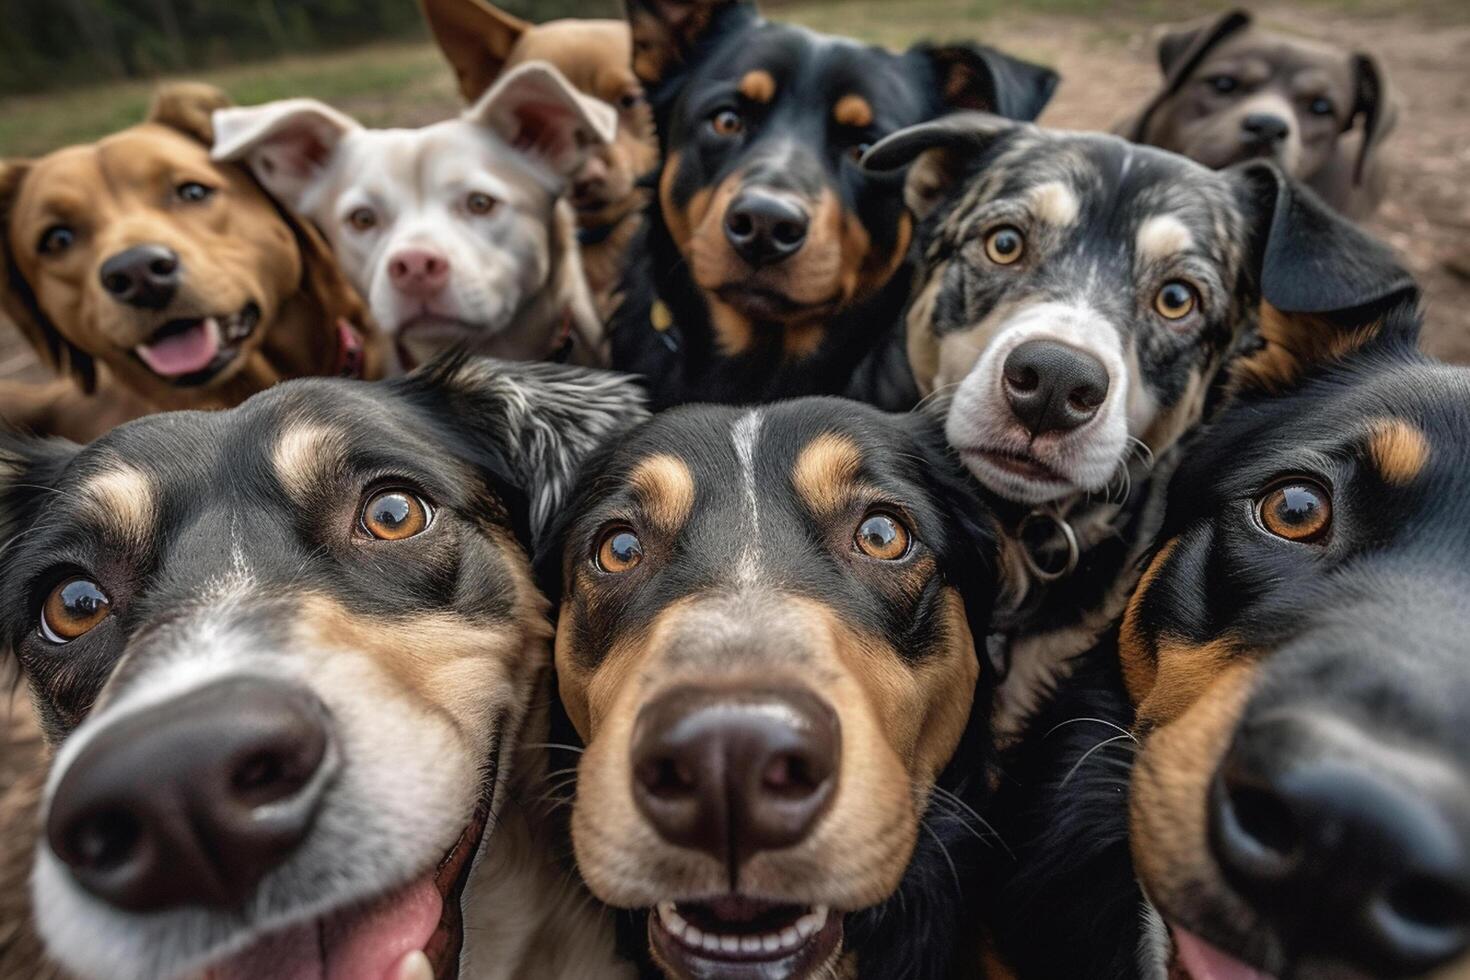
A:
1399, 450
22, 781
664, 486
758, 86
1135, 650
824, 473
1162, 237
307, 454
854, 111
1054, 203
1294, 343
124, 501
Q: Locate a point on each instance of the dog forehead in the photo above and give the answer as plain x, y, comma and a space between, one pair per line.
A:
1281, 57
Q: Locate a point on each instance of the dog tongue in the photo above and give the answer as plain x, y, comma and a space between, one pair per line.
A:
1201, 961
185, 352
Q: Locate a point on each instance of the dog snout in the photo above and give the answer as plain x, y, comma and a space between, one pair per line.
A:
591, 181
1344, 857
420, 272
194, 801
146, 276
765, 228
1264, 128
1053, 387
735, 775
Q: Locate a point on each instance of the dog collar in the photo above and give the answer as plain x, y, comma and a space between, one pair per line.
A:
1049, 545
350, 350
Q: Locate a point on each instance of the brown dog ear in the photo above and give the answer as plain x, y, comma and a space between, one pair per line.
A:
939, 155
18, 301
1374, 102
668, 34
475, 38
1180, 53
979, 78
188, 107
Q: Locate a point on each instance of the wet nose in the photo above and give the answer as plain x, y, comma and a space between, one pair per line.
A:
194, 801
591, 180
145, 276
419, 272
1338, 852
1052, 387
735, 774
1265, 127
764, 228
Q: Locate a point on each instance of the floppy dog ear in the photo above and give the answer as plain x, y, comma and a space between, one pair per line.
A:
188, 107
669, 34
979, 78
1325, 283
30, 466
475, 38
943, 153
535, 109
1374, 102
287, 144
530, 424
1180, 53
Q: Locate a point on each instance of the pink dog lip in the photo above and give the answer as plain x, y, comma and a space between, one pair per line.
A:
1196, 959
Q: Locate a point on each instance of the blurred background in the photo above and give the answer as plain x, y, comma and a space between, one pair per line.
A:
72, 70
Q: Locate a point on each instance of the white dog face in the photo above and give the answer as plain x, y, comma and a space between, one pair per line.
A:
450, 231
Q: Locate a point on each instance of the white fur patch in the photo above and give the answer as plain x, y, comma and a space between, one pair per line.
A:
1054, 203
1162, 237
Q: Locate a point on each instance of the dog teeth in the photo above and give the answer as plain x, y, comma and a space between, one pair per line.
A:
811, 923
789, 938
413, 966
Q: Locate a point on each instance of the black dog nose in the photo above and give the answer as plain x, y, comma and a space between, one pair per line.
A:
144, 275
1052, 387
734, 775
1345, 858
1263, 127
765, 229
194, 801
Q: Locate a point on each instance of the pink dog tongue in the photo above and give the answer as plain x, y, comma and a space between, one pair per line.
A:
1201, 961
185, 352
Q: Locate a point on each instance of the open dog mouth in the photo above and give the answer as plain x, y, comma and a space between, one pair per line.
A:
193, 350
737, 937
1195, 959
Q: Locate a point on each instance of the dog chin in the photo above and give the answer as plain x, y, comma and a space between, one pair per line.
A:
422, 337
737, 938
1017, 477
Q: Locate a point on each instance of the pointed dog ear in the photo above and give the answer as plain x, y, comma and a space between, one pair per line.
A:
188, 107
1180, 53
979, 78
475, 38
668, 35
1325, 283
1375, 104
18, 301
287, 144
529, 426
536, 110
943, 153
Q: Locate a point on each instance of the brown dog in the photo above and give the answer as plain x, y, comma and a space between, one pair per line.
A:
596, 56
1234, 92
178, 275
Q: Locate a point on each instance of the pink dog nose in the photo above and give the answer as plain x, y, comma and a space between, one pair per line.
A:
418, 271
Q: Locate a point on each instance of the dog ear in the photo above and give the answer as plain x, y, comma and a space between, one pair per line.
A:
30, 469
943, 153
536, 110
669, 35
287, 144
528, 425
1375, 104
18, 302
475, 38
1325, 283
1180, 53
188, 107
975, 77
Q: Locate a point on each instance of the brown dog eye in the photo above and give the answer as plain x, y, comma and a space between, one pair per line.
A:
392, 515
1224, 84
480, 203
193, 192
882, 536
362, 219
620, 550
72, 609
56, 239
1005, 245
727, 122
1175, 301
1300, 510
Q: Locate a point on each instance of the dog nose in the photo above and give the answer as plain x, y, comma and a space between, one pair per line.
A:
1052, 387
765, 229
733, 775
146, 276
1264, 127
591, 179
420, 272
1338, 852
194, 801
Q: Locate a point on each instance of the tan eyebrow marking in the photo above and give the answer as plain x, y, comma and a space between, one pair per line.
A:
1054, 203
825, 469
306, 454
854, 111
664, 486
1398, 449
123, 498
1163, 236
758, 86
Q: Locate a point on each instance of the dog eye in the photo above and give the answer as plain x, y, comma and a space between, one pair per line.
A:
882, 536
1175, 300
1224, 84
55, 240
630, 99
1298, 510
73, 609
393, 515
193, 192
362, 219
619, 551
1005, 245
1321, 106
727, 122
479, 203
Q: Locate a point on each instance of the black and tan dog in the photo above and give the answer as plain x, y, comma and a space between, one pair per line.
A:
771, 262
1234, 92
1078, 298
293, 663
175, 274
1289, 689
765, 644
